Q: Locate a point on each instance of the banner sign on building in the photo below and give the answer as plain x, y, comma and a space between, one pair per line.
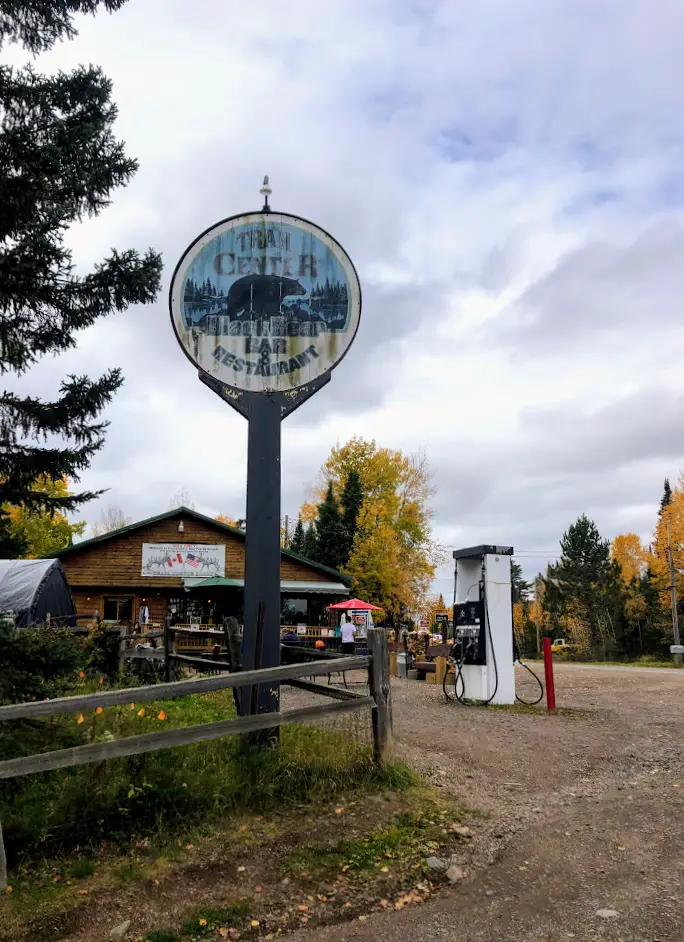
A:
183, 560
265, 302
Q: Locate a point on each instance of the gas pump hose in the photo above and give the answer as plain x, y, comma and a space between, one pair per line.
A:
458, 675
458, 665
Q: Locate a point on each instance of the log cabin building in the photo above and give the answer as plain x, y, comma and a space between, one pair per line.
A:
184, 564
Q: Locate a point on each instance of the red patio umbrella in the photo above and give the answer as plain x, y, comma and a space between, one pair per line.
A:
356, 605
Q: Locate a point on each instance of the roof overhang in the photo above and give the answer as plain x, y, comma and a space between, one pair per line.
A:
287, 587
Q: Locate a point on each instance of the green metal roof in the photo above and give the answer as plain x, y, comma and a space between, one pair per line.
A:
186, 512
287, 585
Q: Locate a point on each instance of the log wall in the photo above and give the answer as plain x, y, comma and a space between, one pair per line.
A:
113, 566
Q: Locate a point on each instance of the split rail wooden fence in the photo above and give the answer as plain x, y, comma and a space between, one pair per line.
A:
376, 662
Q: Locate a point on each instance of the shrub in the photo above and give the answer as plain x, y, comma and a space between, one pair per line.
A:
37, 662
102, 651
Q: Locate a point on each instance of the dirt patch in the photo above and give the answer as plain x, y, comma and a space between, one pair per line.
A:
264, 878
578, 813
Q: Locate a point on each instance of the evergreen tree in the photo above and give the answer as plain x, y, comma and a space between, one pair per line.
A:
13, 542
330, 548
297, 543
584, 587
59, 161
352, 499
310, 542
520, 587
666, 499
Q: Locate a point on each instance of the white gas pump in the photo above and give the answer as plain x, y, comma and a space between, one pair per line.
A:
483, 625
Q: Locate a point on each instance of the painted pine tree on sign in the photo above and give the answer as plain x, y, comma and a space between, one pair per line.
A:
59, 162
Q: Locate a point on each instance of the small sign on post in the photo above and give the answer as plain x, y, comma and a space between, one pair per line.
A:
264, 305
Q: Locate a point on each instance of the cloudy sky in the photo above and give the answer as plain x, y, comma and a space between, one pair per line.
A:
509, 181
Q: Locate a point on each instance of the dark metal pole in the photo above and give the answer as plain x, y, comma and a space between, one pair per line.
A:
262, 549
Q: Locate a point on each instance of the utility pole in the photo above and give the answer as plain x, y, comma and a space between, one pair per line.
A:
537, 599
676, 649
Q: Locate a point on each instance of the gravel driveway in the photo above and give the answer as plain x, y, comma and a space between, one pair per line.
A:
580, 835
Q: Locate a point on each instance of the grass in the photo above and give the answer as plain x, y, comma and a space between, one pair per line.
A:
203, 922
128, 872
151, 796
81, 868
207, 921
406, 838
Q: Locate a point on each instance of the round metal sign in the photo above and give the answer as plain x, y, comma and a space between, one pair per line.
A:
265, 302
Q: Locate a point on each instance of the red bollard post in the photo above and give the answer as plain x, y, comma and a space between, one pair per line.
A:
548, 677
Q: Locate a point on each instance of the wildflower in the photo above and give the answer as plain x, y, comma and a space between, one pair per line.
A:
80, 719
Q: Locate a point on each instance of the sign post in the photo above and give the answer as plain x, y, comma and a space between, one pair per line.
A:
265, 305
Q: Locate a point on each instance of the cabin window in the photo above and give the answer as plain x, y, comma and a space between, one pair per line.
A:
118, 608
293, 611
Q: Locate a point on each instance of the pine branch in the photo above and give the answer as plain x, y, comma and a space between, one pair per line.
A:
71, 415
39, 24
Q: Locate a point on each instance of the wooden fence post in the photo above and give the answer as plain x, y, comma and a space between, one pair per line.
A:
233, 629
169, 648
3, 863
380, 690
230, 627
122, 650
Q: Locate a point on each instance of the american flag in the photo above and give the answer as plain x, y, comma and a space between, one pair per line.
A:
192, 560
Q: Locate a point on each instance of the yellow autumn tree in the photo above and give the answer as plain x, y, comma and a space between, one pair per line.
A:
42, 532
577, 629
229, 521
628, 550
434, 605
520, 622
658, 562
393, 556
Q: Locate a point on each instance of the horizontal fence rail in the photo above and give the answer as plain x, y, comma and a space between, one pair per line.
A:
150, 742
181, 688
322, 691
202, 662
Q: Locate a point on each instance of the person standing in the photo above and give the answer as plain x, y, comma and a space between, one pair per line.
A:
347, 635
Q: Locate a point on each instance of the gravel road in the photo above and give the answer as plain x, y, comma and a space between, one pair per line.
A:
579, 835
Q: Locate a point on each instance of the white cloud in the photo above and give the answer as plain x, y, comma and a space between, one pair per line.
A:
507, 179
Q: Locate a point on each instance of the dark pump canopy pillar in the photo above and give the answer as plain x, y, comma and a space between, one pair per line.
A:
264, 412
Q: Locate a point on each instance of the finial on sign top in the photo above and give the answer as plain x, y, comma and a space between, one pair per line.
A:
266, 192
